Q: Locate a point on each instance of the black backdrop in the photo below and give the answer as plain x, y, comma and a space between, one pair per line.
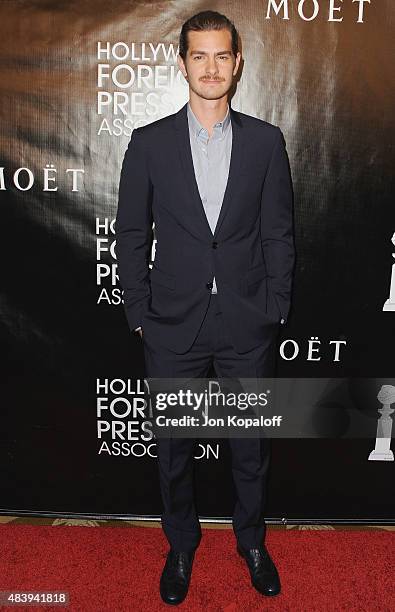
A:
325, 79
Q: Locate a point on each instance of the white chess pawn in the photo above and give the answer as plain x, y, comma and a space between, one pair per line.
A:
382, 451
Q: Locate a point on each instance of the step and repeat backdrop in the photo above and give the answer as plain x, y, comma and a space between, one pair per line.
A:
76, 78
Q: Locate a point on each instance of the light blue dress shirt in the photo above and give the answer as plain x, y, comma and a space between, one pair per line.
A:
211, 159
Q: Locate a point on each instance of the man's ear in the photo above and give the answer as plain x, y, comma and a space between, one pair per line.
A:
237, 64
181, 65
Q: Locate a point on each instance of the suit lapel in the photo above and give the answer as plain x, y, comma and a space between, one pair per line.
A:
236, 159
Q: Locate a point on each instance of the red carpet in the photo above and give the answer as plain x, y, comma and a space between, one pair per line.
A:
118, 569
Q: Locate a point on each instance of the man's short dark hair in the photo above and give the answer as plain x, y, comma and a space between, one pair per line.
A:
207, 20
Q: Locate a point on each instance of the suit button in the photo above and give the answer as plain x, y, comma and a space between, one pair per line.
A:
214, 245
209, 285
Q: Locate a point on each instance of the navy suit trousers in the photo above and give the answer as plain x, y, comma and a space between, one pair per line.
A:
250, 456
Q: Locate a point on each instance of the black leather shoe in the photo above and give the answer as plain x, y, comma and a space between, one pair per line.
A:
174, 582
263, 572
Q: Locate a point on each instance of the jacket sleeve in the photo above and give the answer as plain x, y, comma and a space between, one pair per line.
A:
277, 231
133, 230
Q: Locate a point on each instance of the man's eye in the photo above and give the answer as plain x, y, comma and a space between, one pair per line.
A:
197, 56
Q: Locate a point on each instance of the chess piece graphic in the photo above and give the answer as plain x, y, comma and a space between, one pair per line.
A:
390, 303
382, 451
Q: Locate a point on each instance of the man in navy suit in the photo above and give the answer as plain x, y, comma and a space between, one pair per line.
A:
217, 185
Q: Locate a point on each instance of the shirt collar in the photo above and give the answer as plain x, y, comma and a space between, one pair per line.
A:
197, 127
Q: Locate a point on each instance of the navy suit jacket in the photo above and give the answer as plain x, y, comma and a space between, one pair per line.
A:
251, 253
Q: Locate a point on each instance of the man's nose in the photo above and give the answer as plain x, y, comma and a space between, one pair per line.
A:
212, 66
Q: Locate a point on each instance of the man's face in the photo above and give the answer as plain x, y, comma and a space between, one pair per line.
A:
210, 65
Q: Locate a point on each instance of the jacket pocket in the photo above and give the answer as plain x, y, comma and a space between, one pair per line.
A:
256, 274
162, 278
